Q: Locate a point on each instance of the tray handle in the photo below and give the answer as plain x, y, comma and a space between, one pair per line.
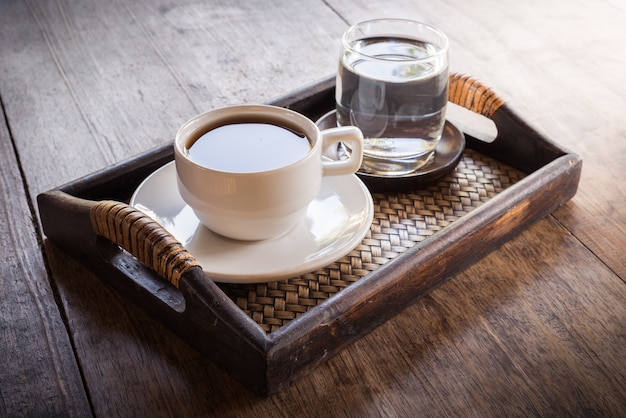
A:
517, 143
473, 95
143, 237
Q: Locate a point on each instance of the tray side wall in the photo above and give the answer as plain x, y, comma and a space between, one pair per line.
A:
199, 313
349, 315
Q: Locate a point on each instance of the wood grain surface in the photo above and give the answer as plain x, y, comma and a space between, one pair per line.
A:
38, 370
537, 328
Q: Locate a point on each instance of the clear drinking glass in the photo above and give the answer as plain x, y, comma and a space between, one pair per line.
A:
392, 83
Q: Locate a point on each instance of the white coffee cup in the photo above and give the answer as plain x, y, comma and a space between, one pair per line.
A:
263, 203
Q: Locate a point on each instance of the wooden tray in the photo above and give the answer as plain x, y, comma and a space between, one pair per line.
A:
268, 335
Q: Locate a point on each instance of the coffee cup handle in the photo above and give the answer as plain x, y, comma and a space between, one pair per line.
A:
354, 137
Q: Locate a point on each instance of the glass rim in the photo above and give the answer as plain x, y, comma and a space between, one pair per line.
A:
442, 49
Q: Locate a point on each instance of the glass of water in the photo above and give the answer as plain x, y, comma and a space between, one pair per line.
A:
392, 83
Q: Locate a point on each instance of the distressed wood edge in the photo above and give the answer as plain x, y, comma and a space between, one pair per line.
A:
313, 101
207, 319
355, 311
116, 181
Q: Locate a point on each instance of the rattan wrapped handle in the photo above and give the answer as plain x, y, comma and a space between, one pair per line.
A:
143, 237
471, 94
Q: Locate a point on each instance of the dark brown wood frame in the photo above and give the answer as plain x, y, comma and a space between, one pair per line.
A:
135, 256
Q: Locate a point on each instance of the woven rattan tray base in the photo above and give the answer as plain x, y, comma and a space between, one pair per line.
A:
401, 220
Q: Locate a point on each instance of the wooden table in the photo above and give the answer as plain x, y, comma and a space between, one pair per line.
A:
536, 328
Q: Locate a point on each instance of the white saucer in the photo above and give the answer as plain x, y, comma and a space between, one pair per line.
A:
335, 223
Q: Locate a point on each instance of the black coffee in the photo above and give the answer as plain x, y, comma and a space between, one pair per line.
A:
249, 147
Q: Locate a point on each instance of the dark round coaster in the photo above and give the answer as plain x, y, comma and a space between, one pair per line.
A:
447, 155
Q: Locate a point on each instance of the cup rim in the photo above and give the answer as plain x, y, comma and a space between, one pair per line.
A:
291, 118
443, 49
